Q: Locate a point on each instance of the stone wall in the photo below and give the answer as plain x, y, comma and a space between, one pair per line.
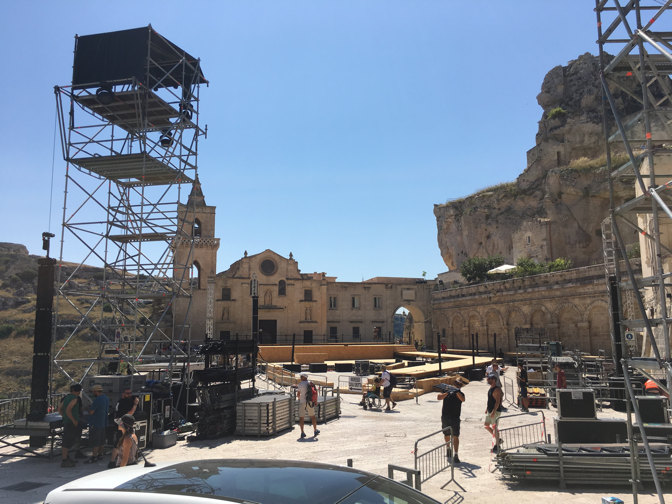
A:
570, 306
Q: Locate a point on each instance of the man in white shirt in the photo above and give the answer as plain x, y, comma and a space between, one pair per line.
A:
494, 368
387, 388
306, 407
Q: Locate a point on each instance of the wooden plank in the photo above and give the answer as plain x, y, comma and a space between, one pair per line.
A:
448, 355
446, 367
377, 361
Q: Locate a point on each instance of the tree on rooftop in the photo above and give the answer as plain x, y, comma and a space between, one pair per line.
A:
475, 269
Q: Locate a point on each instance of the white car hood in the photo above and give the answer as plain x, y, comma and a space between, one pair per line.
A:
112, 478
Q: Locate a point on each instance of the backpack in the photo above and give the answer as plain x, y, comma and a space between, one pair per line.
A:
311, 396
393, 380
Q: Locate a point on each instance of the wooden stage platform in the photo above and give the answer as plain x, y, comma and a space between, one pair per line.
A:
450, 363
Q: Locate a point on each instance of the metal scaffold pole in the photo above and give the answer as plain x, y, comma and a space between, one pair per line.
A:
635, 65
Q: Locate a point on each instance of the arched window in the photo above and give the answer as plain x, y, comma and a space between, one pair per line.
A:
196, 275
282, 288
197, 228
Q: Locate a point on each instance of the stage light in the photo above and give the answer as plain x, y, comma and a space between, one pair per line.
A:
105, 95
166, 139
186, 111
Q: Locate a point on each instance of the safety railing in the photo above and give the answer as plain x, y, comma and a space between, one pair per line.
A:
19, 407
436, 458
518, 436
281, 378
509, 390
412, 475
410, 384
352, 383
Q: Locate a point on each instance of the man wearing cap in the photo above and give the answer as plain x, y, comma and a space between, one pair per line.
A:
98, 413
452, 399
306, 407
493, 410
69, 410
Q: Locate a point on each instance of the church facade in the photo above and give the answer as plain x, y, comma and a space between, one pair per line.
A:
313, 307
292, 306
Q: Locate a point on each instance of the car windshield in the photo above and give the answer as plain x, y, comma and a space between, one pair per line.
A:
262, 481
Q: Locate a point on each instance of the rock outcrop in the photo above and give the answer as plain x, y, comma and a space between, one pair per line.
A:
556, 206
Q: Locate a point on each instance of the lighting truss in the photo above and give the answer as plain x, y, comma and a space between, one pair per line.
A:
129, 134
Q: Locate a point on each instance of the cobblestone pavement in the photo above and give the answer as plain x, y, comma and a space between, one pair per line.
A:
372, 439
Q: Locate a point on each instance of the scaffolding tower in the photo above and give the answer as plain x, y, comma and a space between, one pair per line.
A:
129, 129
635, 49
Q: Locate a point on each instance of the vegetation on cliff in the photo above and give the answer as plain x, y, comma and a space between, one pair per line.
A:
475, 269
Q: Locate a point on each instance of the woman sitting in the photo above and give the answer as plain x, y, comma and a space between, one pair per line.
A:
127, 447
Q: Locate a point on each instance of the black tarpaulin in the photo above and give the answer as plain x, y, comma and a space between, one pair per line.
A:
139, 53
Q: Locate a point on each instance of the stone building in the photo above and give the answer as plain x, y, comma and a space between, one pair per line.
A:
533, 239
570, 306
314, 307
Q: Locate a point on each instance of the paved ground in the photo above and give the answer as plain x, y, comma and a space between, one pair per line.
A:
373, 439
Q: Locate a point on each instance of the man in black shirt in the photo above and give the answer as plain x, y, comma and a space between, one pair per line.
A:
522, 382
127, 404
493, 409
452, 399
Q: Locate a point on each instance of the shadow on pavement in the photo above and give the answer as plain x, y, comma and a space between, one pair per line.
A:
467, 469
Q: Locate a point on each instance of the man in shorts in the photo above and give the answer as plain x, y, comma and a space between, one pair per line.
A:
306, 407
387, 388
98, 413
72, 430
452, 399
493, 409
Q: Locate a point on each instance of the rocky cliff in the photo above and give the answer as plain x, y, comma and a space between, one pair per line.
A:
555, 207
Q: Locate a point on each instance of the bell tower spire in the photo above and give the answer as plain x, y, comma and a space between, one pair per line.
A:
196, 252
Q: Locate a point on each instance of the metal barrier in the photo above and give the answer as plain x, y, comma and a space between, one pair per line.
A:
409, 384
434, 460
521, 435
509, 390
19, 407
412, 475
353, 383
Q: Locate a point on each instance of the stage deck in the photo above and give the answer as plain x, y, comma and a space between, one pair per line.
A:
434, 355
452, 363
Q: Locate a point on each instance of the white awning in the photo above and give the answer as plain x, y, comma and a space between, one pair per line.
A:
504, 268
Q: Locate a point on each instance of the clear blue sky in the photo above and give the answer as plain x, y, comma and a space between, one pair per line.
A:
334, 126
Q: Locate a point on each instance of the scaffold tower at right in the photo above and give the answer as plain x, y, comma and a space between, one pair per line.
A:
635, 49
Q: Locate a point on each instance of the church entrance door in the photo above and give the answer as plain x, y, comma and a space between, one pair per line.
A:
268, 332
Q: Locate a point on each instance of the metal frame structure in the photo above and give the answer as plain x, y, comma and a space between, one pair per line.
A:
639, 35
130, 142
